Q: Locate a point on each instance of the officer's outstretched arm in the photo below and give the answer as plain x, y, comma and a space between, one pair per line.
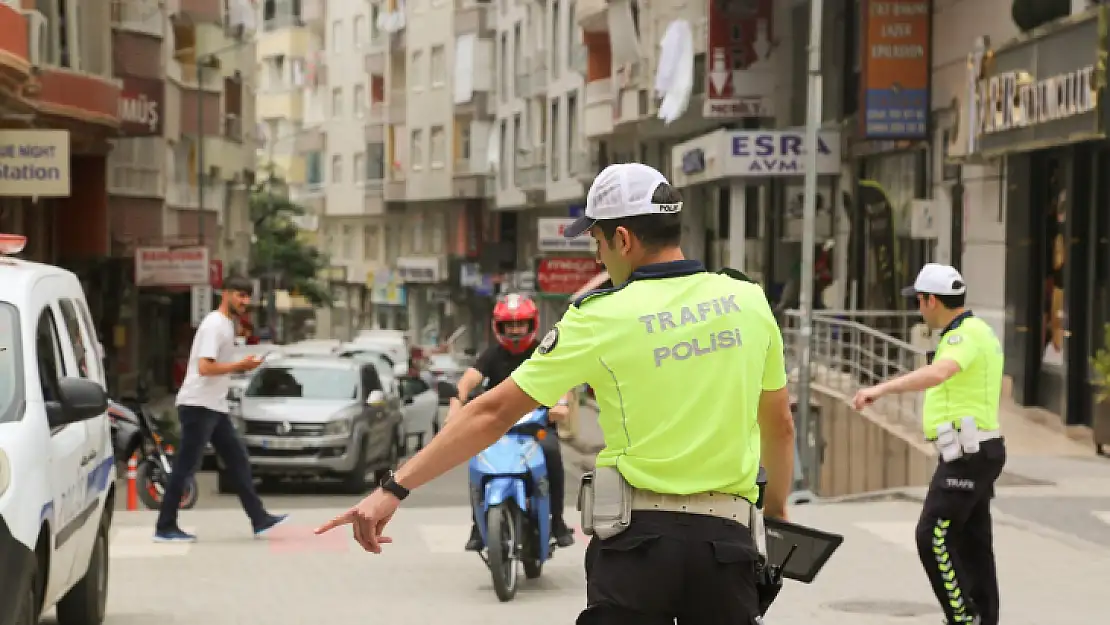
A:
924, 378
776, 443
480, 423
467, 383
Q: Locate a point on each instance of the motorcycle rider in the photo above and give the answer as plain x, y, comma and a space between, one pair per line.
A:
515, 325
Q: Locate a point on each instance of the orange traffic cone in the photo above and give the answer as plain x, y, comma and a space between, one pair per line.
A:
132, 479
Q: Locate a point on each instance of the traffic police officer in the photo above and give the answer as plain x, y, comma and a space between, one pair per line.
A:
688, 370
962, 384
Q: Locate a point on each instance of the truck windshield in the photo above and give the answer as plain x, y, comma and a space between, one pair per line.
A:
11, 365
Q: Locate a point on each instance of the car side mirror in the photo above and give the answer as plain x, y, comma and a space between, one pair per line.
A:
79, 400
376, 398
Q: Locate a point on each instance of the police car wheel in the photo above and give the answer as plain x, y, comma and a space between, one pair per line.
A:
85, 603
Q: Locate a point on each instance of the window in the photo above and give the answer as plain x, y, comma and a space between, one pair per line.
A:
360, 166
347, 241
82, 348
11, 365
572, 124
370, 242
336, 169
375, 161
503, 68
314, 169
463, 148
503, 137
439, 67
337, 102
336, 36
556, 43
301, 382
360, 101
556, 143
416, 152
370, 381
375, 10
411, 387
416, 66
418, 235
439, 146
572, 40
359, 32
50, 361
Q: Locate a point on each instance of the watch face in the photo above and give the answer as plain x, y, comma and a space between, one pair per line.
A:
388, 478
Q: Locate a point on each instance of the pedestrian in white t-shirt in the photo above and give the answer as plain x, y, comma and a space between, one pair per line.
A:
202, 408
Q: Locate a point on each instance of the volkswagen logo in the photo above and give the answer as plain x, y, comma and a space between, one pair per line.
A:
284, 427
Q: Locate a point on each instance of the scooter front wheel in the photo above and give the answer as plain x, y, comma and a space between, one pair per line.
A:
151, 484
502, 531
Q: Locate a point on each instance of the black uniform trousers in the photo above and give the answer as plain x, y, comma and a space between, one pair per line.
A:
955, 537
698, 569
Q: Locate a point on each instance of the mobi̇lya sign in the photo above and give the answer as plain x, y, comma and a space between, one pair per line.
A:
1015, 99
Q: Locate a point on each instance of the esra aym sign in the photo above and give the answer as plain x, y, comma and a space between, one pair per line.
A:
780, 153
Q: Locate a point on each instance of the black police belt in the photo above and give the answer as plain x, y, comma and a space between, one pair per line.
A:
721, 505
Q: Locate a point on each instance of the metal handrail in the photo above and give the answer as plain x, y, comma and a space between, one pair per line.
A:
848, 355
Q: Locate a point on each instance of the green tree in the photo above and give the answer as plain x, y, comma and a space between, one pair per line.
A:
279, 252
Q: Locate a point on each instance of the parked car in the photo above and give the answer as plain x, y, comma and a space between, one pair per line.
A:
57, 469
312, 347
324, 417
390, 342
420, 410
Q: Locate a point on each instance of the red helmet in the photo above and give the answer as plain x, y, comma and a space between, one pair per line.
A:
512, 308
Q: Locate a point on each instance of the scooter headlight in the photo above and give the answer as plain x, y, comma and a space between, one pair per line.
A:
5, 472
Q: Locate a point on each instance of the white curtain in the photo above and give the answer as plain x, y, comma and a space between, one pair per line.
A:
464, 68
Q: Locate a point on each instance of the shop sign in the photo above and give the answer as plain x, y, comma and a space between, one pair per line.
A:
894, 76
565, 275
34, 163
419, 269
1038, 92
752, 154
140, 106
551, 239
741, 73
386, 289
162, 266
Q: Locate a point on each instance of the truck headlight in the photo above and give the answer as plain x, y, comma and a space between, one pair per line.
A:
339, 427
5, 473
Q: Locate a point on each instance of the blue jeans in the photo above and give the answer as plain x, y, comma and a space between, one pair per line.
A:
199, 426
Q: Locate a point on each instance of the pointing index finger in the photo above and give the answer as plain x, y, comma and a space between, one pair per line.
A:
344, 519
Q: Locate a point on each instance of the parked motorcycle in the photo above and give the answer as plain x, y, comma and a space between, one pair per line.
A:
137, 435
510, 497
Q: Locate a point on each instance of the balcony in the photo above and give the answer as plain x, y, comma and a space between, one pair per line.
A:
314, 13
394, 190
398, 40
480, 106
396, 109
472, 17
197, 11
375, 61
280, 104
471, 181
180, 195
373, 192
537, 85
374, 132
598, 117
531, 170
310, 140
283, 38
139, 16
583, 166
592, 15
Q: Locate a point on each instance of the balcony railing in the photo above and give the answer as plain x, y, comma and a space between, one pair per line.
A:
140, 16
182, 195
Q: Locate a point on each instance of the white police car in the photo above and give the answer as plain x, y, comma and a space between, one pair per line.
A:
57, 476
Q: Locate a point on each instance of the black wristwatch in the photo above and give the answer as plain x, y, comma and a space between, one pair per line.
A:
390, 485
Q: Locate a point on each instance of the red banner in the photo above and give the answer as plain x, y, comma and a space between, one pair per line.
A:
565, 275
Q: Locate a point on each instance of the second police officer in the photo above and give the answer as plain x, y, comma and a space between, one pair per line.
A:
963, 386
688, 371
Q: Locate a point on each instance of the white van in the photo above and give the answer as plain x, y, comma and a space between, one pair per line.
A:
57, 474
389, 342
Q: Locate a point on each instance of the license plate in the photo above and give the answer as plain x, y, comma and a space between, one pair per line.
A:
281, 444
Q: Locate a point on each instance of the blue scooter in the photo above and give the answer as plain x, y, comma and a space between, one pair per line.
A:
510, 496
